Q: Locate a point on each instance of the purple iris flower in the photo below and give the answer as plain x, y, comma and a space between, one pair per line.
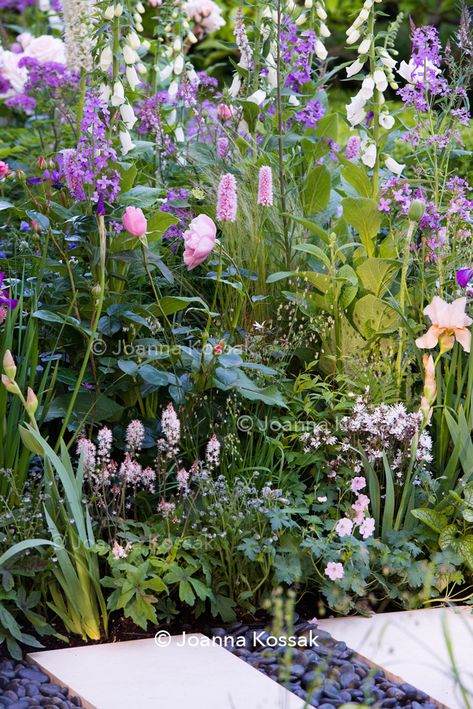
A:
464, 276
4, 299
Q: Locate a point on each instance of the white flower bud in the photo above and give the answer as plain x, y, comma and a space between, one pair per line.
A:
353, 37
380, 80
128, 115
179, 135
355, 68
320, 50
141, 69
192, 38
118, 10
365, 46
165, 73
308, 4
109, 13
173, 89
106, 58
146, 44
140, 8
321, 14
137, 18
118, 96
132, 77
126, 142
324, 30
386, 121
129, 55
177, 45
133, 40
178, 65
300, 20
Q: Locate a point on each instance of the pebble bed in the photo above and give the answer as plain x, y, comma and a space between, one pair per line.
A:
326, 676
23, 686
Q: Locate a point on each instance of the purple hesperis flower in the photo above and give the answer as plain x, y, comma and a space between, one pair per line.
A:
297, 50
88, 169
311, 114
5, 300
464, 276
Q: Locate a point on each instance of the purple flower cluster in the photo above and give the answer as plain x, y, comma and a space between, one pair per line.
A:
51, 76
88, 168
18, 5
297, 50
177, 204
426, 78
397, 195
311, 114
149, 121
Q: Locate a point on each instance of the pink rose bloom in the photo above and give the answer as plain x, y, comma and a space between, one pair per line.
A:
134, 221
4, 169
15, 75
449, 323
358, 484
367, 527
334, 571
199, 240
344, 527
46, 49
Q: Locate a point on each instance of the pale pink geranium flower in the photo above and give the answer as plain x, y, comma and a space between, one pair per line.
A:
449, 323
334, 570
358, 484
199, 240
344, 527
367, 527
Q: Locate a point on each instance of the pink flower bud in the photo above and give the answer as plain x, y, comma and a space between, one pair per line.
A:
224, 112
134, 221
31, 402
199, 240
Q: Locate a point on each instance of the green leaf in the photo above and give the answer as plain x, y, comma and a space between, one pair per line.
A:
5, 205
363, 214
186, 594
171, 304
372, 316
356, 176
449, 538
21, 547
141, 196
316, 190
158, 224
377, 274
127, 177
314, 250
431, 518
465, 549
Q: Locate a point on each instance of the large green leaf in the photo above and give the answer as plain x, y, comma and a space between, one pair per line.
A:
141, 196
433, 519
316, 190
372, 316
363, 214
356, 176
377, 274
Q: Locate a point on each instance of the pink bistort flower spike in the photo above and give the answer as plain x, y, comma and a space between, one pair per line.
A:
265, 186
227, 199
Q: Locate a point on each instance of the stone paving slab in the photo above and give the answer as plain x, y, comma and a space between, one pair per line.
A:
412, 645
138, 674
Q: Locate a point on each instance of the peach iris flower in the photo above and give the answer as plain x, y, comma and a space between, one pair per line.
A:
449, 323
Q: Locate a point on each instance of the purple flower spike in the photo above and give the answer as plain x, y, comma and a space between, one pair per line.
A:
464, 276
